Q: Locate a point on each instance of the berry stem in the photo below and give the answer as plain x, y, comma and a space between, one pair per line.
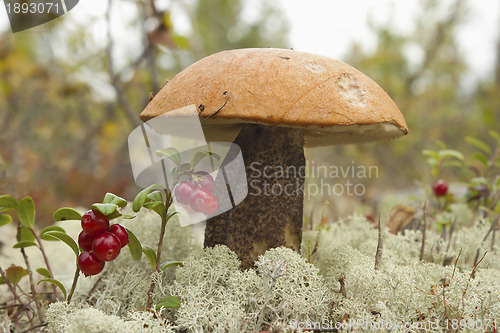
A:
168, 203
73, 286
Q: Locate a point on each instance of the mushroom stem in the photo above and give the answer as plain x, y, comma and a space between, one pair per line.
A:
271, 214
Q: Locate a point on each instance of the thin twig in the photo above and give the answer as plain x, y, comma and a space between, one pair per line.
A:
422, 248
44, 255
455, 266
467, 287
115, 79
213, 114
30, 277
11, 287
380, 246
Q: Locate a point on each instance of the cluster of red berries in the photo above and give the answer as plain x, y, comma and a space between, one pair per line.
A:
197, 193
99, 242
440, 188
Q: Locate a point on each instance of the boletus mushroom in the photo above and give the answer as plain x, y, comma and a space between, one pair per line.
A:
278, 101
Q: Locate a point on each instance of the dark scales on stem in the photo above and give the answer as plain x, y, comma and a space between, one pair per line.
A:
263, 221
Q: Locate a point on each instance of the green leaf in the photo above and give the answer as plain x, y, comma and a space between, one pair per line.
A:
128, 217
15, 273
7, 202
134, 245
151, 254
44, 272
200, 155
170, 215
66, 239
431, 154
1, 280
451, 153
66, 213
115, 215
5, 219
43, 233
175, 172
26, 212
141, 197
23, 244
479, 144
171, 153
481, 158
154, 197
55, 282
114, 199
167, 264
168, 302
495, 135
107, 208
26, 234
157, 206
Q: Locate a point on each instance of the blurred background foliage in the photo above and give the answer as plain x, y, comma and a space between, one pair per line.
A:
68, 100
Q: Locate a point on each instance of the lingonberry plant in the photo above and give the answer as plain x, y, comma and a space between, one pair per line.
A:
101, 240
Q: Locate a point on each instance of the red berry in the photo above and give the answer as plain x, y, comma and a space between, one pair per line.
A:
183, 192
203, 180
119, 231
440, 188
85, 241
203, 201
106, 246
94, 222
89, 264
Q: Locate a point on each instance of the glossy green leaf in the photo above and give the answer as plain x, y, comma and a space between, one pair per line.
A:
66, 239
44, 272
156, 206
43, 233
26, 234
170, 215
66, 213
15, 273
134, 245
55, 282
150, 254
168, 302
171, 153
107, 209
154, 196
26, 212
201, 155
23, 244
7, 202
114, 215
114, 199
5, 219
479, 144
167, 264
141, 197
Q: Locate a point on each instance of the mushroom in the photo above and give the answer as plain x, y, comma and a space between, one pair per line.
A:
278, 101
